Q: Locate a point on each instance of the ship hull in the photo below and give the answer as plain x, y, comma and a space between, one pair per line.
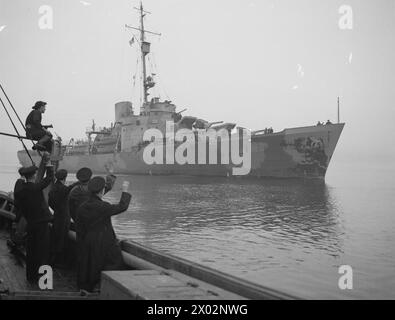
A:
293, 153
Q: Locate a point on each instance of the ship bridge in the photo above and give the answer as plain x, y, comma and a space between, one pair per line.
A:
156, 107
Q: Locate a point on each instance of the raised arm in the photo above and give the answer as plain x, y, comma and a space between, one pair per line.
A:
114, 209
110, 180
49, 177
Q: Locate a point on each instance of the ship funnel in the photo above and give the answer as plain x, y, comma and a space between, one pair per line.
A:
123, 110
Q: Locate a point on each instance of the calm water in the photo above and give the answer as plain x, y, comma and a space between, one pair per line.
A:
289, 235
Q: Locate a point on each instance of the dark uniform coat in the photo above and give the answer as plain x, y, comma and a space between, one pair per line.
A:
18, 202
20, 233
34, 128
37, 214
98, 246
58, 201
78, 195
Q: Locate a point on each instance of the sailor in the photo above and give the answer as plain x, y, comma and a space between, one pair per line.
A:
58, 201
328, 122
20, 222
79, 193
38, 216
18, 202
98, 247
36, 131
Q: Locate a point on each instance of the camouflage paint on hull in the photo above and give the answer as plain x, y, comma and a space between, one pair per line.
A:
296, 152
293, 153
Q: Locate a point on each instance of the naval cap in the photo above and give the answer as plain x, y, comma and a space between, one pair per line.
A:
39, 104
61, 174
27, 171
96, 184
84, 174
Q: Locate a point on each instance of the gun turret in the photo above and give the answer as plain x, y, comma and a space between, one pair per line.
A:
177, 116
182, 111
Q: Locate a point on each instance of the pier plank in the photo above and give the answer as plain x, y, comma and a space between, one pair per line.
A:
13, 284
12, 273
156, 285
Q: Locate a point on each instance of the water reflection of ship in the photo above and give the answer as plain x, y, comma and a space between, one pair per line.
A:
284, 211
294, 152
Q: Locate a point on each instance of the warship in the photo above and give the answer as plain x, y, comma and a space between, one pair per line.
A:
300, 152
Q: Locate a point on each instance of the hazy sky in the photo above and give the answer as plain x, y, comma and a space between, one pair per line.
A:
279, 63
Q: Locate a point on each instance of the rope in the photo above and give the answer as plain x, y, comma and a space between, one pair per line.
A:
16, 113
134, 79
156, 91
16, 130
161, 82
13, 136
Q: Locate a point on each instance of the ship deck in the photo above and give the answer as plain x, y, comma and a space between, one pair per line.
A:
13, 283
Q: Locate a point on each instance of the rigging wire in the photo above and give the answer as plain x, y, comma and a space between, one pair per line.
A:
153, 71
134, 78
122, 62
140, 88
142, 91
16, 130
162, 84
16, 113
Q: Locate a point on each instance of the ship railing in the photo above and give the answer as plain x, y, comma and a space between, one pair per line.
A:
97, 130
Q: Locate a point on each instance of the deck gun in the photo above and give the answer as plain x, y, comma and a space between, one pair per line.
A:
177, 116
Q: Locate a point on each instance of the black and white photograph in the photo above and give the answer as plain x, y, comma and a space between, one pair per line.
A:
205, 153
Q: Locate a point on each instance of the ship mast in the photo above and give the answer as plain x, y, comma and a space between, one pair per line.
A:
143, 54
145, 49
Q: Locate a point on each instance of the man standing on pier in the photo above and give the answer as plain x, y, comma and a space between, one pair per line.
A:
38, 216
98, 247
58, 200
20, 221
17, 193
79, 193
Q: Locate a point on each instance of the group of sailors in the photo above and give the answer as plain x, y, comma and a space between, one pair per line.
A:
322, 123
77, 207
268, 130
